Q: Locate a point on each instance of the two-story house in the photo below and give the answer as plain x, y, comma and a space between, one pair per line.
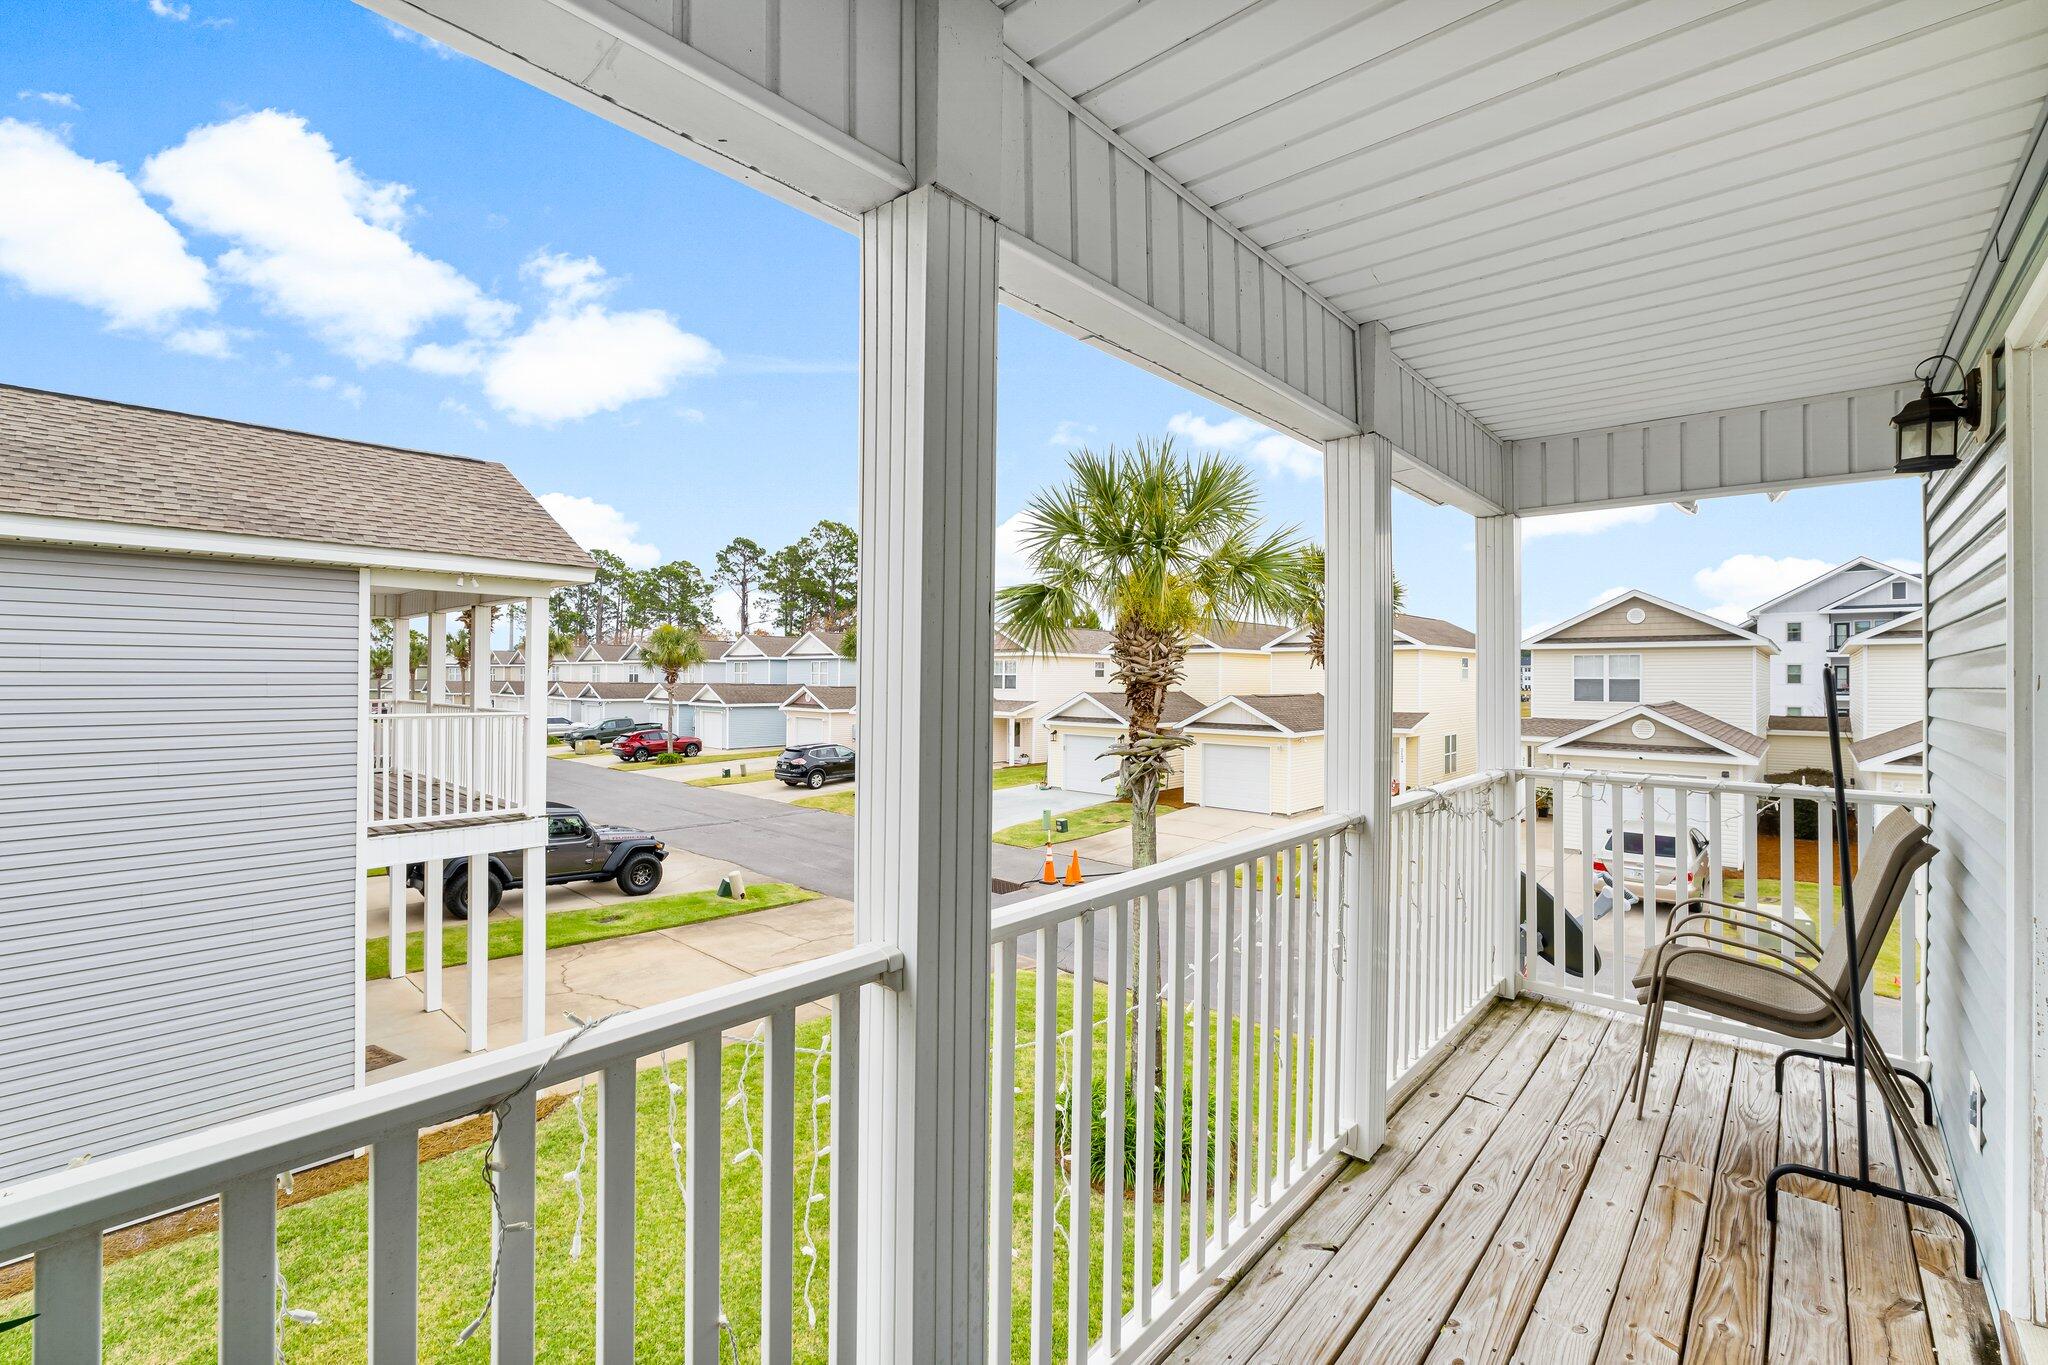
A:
217, 583
1813, 622
1888, 701
1638, 683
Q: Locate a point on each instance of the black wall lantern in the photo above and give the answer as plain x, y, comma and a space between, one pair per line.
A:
1930, 428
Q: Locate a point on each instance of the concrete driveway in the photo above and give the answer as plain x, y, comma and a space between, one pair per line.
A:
1015, 805
1184, 831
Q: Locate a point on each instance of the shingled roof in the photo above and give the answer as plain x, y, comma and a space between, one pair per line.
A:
1434, 630
92, 460
1891, 741
1298, 712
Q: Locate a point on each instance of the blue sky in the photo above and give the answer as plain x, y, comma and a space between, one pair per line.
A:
295, 215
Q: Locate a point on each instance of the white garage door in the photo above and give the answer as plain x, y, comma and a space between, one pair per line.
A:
808, 729
712, 728
1237, 777
1088, 767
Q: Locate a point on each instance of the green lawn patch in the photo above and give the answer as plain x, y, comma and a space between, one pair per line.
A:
1080, 824
1023, 775
765, 772
839, 803
160, 1305
567, 927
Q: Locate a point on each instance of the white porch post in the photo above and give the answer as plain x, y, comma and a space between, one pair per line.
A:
470, 774
1359, 612
921, 874
533, 752
1498, 559
437, 660
401, 660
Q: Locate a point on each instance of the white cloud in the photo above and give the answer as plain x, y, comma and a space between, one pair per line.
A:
351, 394
1242, 436
569, 281
1012, 564
1587, 523
170, 9
573, 365
211, 342
53, 97
598, 526
1741, 582
419, 40
1069, 433
81, 233
691, 415
455, 407
318, 241
460, 358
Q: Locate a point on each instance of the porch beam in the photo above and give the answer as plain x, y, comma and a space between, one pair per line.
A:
1825, 438
1441, 452
921, 870
1498, 559
1359, 663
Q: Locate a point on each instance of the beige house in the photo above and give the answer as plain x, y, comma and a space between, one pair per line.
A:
1887, 705
1080, 729
821, 715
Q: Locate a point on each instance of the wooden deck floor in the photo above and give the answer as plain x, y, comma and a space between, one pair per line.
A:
1522, 1212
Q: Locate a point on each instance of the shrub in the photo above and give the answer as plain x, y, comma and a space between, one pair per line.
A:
669, 760
1543, 800
1162, 1124
1806, 814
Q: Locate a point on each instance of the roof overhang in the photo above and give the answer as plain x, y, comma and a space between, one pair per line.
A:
1566, 744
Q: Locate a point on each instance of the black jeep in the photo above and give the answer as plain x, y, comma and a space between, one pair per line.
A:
577, 852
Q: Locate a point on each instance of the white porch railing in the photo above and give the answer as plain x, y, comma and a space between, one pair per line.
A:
1218, 1085
1446, 918
60, 1219
1569, 850
446, 766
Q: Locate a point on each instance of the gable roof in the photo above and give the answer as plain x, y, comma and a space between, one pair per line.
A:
1911, 735
1291, 713
1012, 709
1797, 724
1179, 706
1715, 630
714, 646
92, 460
744, 694
1713, 734
1406, 721
1910, 629
1859, 562
827, 641
607, 651
621, 691
823, 698
771, 646
1244, 635
1086, 640
1895, 576
1549, 727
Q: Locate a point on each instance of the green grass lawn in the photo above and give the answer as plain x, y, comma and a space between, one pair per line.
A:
737, 757
566, 927
1023, 775
763, 771
1080, 824
839, 802
160, 1306
1806, 897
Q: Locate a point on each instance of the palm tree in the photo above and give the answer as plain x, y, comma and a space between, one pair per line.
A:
1308, 607
459, 651
1163, 546
670, 650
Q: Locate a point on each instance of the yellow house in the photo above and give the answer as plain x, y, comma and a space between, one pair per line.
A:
1080, 730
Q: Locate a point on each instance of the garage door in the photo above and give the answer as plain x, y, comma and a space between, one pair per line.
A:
1237, 777
808, 729
711, 727
1087, 764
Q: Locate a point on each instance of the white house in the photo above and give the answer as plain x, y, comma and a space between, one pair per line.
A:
1888, 691
1080, 730
822, 715
1812, 623
215, 582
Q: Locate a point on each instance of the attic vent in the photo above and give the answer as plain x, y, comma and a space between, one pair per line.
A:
1642, 729
1636, 616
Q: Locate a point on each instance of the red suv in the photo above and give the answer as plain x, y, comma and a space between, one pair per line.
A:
636, 748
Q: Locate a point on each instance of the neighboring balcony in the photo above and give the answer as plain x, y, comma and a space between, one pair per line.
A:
437, 767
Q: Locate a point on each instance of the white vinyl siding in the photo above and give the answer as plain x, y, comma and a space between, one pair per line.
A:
178, 869
1969, 939
1890, 686
1719, 680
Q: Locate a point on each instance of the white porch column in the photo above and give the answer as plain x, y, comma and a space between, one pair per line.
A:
1358, 609
533, 901
921, 873
401, 660
1497, 543
437, 659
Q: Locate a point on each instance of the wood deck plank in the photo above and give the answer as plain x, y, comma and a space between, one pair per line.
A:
1958, 1311
1653, 1302
1262, 1295
1571, 1309
1809, 1303
1727, 1326
1489, 1314
1409, 1313
1887, 1310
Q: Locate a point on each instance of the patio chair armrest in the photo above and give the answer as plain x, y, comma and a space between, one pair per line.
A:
1779, 925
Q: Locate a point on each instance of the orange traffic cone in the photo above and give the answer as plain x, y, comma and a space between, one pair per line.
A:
1051, 876
1074, 869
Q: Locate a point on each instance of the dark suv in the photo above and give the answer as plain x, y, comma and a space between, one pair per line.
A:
578, 851
813, 765
609, 731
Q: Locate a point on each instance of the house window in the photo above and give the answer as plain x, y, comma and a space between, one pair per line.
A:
1898, 592
820, 672
1795, 673
1450, 753
1795, 710
633, 676
1006, 675
1795, 631
1607, 677
1101, 670
1464, 670
739, 672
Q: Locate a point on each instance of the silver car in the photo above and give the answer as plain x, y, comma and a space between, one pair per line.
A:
1675, 882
